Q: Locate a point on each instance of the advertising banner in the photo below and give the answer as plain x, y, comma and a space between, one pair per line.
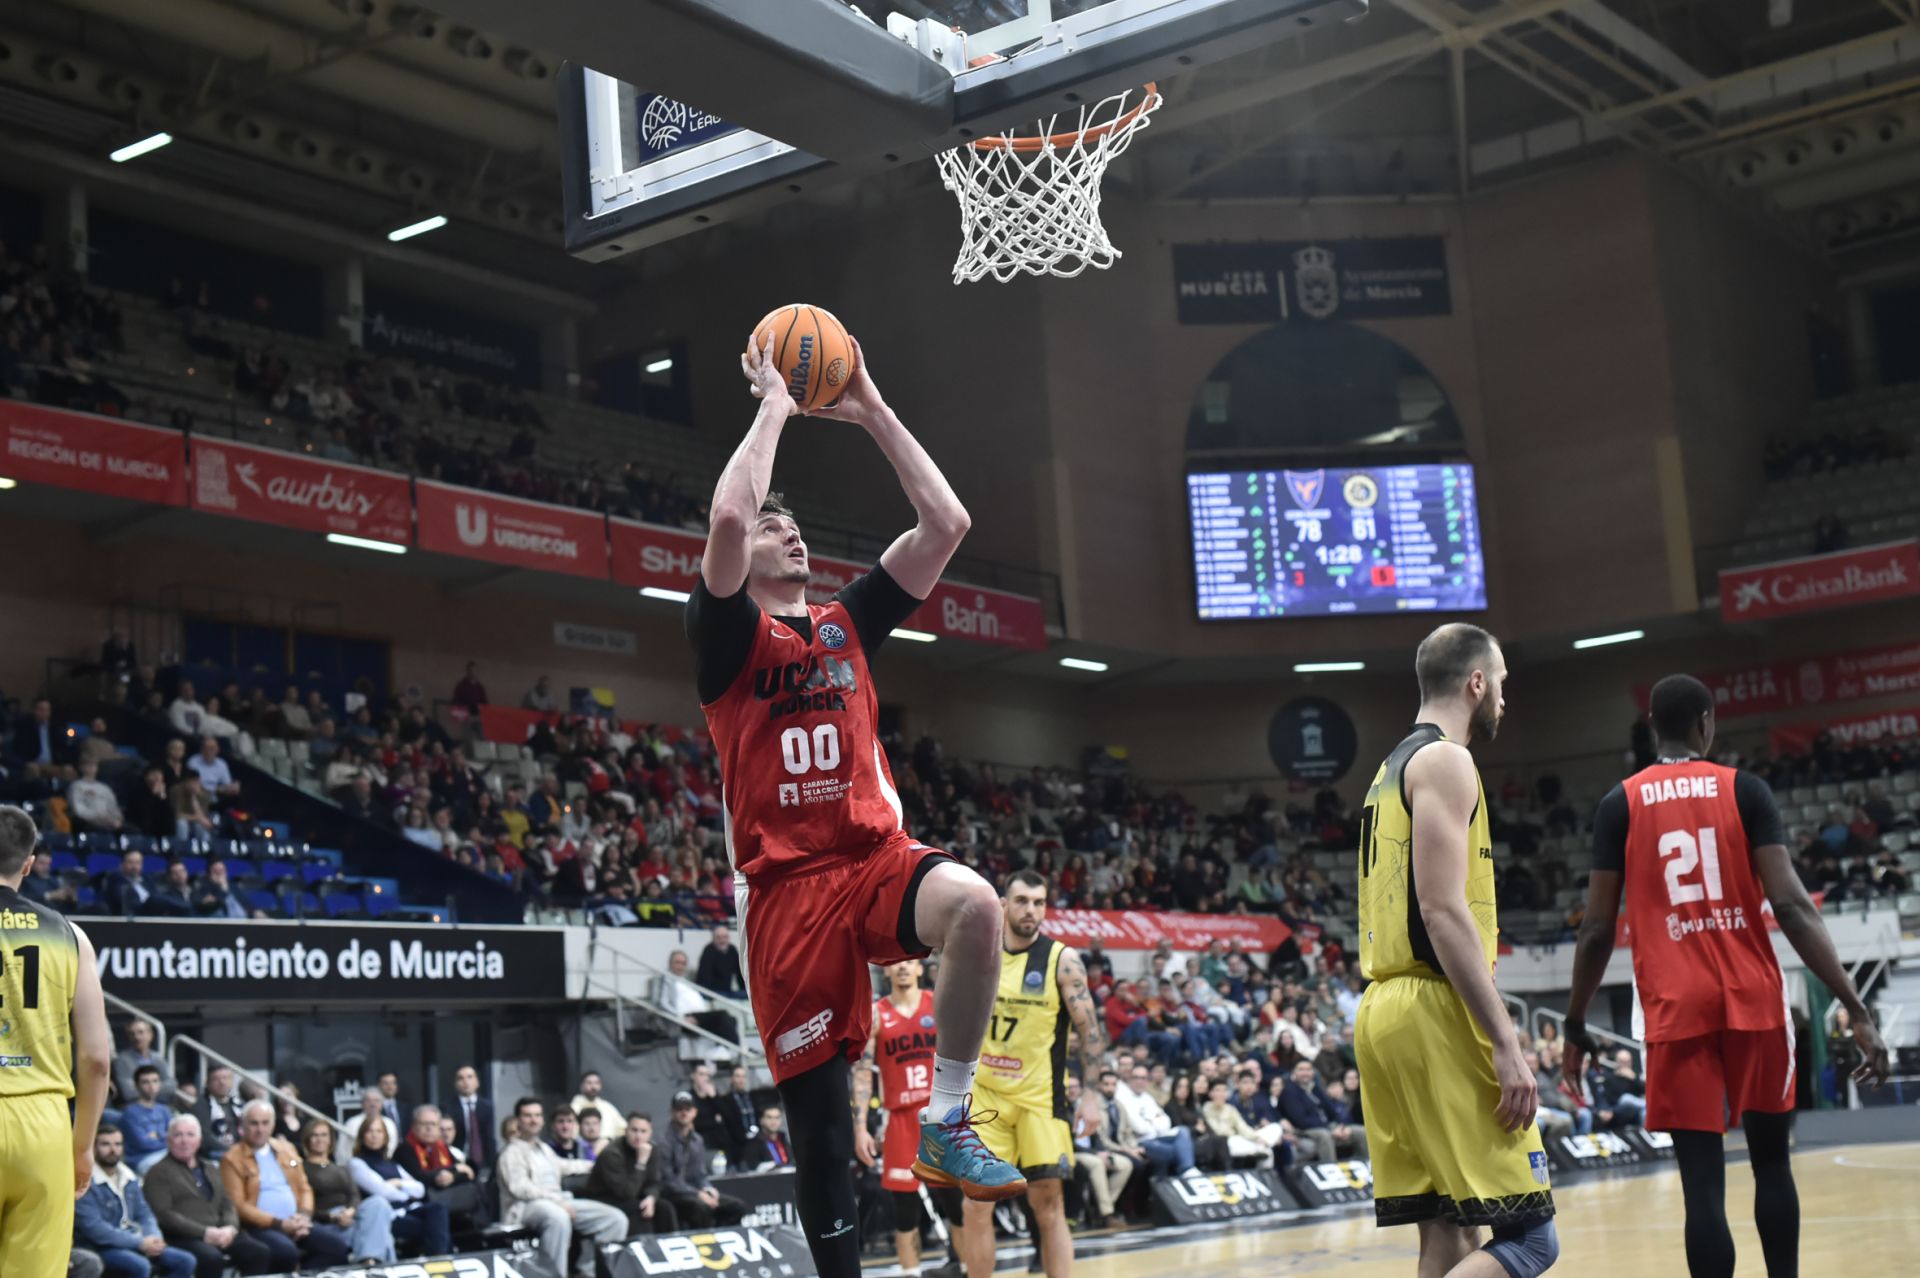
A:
296, 491
1819, 582
741, 1251
1310, 282
1770, 687
669, 559
1200, 1196
259, 963
506, 530
95, 454
526, 1263
1144, 929
1330, 1184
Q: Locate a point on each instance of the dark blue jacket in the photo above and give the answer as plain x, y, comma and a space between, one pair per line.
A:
1304, 1109
145, 1128
97, 1216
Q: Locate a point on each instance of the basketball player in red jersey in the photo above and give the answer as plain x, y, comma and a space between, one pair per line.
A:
1699, 848
826, 879
902, 1050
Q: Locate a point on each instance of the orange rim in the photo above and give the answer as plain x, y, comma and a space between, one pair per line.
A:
1058, 140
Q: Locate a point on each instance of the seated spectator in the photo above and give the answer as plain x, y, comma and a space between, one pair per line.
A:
685, 1173
373, 1104
293, 721
214, 898
529, 1175
194, 1211
42, 746
1322, 1138
171, 899
720, 965
538, 697
1104, 1168
92, 803
1167, 1147
564, 1137
267, 1182
216, 725
1255, 1107
185, 713
324, 744
417, 1220
143, 1124
151, 812
190, 816
590, 1133
684, 999
126, 892
589, 1097
337, 1200
1129, 1025
113, 1219
1624, 1093
628, 1175
219, 1114
769, 1148
40, 886
173, 764
428, 1155
216, 778
1268, 1144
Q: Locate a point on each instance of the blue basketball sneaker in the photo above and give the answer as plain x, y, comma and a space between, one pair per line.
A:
952, 1154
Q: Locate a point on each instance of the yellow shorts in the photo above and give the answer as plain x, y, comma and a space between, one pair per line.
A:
36, 1186
1033, 1140
1428, 1090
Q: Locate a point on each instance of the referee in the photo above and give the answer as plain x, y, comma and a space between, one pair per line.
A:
52, 1019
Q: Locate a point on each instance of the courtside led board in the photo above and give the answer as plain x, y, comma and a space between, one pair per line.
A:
1329, 541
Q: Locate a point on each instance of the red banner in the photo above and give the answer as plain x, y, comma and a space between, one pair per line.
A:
506, 530
1806, 681
296, 491
96, 454
1144, 929
1866, 729
669, 559
1820, 582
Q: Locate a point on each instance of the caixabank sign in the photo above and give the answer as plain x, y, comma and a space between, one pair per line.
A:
1200, 1196
776, 1251
1330, 1184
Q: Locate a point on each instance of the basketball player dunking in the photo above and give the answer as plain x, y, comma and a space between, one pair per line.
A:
826, 879
52, 1019
1022, 1092
1450, 1101
1699, 848
902, 1049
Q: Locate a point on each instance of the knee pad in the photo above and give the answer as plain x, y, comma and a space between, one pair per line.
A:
1525, 1251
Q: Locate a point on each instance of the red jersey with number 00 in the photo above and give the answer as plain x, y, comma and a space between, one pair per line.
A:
1701, 955
802, 773
906, 1052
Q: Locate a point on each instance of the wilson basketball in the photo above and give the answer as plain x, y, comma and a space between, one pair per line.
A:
811, 349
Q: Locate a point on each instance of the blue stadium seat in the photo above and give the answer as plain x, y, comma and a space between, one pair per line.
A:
239, 865
56, 841
181, 847
102, 862
196, 865
274, 871
99, 843
86, 896
260, 848
318, 871
64, 861
341, 904
260, 901
310, 904
138, 843
378, 904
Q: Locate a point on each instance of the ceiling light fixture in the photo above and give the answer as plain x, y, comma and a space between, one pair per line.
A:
433, 223
134, 150
1601, 641
367, 543
670, 596
917, 636
1081, 663
1327, 667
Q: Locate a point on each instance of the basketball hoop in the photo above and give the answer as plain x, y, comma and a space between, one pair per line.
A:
1030, 203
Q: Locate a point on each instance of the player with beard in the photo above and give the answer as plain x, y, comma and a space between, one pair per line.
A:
826, 879
1450, 1100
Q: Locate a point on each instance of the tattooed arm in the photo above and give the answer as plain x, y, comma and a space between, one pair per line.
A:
863, 1070
1086, 1018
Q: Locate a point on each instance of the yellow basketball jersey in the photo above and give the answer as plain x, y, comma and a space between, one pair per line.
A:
1024, 1060
39, 967
1393, 937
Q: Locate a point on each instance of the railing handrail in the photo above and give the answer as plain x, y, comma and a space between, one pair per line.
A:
746, 1047
1638, 1047
246, 1075
733, 1008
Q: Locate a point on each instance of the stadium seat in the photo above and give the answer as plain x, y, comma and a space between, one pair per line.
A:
274, 870
342, 905
64, 861
260, 900
102, 862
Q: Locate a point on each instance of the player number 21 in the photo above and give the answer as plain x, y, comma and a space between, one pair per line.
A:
803, 753
1686, 852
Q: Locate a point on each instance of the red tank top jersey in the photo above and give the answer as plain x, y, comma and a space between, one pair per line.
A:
906, 1052
1701, 955
803, 778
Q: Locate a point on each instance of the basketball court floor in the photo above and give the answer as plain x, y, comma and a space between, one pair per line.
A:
1859, 1213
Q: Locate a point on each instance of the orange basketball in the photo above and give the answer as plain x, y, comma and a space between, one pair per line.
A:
812, 350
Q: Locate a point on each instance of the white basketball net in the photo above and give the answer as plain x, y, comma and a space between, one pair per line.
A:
1031, 204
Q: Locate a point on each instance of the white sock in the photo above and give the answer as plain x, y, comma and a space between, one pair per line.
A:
952, 1080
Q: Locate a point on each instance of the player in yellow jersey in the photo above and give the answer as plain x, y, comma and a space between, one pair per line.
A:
1020, 1093
1449, 1099
54, 1047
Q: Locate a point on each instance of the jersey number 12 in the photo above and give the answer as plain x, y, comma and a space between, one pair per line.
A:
1685, 852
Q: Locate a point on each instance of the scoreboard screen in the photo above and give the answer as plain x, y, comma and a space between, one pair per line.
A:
1317, 543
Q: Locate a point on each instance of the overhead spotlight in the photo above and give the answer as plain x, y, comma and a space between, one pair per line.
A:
124, 90
298, 146
1888, 128
469, 43
526, 64
1749, 166
145, 146
1841, 141
242, 128
407, 179
57, 69
353, 163
421, 227
1796, 153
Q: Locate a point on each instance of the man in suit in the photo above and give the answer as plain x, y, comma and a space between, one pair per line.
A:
426, 1157
739, 1116
194, 1211
389, 1085
44, 746
770, 1147
125, 893
472, 1116
172, 899
1321, 1136
719, 969
219, 1113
